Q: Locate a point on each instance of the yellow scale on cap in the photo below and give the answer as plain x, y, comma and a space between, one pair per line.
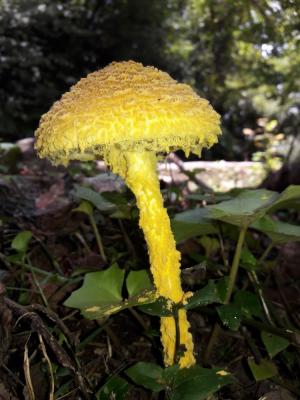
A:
127, 104
126, 113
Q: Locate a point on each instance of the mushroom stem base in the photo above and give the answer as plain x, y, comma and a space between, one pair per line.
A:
139, 171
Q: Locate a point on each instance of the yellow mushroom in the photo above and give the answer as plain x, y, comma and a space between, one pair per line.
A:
127, 113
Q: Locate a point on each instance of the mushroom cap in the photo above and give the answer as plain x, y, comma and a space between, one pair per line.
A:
128, 107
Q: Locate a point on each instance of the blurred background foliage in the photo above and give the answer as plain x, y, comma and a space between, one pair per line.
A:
243, 55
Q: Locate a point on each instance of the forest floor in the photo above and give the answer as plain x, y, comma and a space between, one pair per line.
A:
36, 197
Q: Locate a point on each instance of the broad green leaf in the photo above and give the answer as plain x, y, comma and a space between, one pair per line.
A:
245, 208
264, 370
207, 295
148, 375
196, 383
137, 281
195, 216
115, 388
273, 343
84, 207
93, 197
101, 294
248, 303
183, 230
21, 241
290, 196
230, 315
99, 289
192, 223
278, 231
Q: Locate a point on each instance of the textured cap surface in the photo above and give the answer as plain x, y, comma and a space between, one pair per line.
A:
130, 107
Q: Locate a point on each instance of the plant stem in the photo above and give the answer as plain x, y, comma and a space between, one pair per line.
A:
98, 237
139, 319
266, 253
292, 336
37, 283
128, 242
255, 281
232, 278
235, 264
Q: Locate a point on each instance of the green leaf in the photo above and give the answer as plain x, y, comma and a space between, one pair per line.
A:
207, 295
148, 375
192, 223
245, 208
99, 289
195, 216
183, 231
287, 198
84, 207
278, 231
196, 383
230, 315
210, 245
264, 370
273, 343
93, 197
115, 388
248, 303
248, 258
161, 308
209, 197
222, 287
21, 241
138, 281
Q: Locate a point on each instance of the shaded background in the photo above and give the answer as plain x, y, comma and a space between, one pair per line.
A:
242, 55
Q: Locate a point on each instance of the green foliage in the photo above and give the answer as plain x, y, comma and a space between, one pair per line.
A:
207, 295
245, 305
249, 207
230, 315
273, 343
245, 208
243, 56
264, 370
192, 223
49, 45
138, 281
94, 198
21, 241
115, 388
84, 207
148, 375
161, 307
278, 231
193, 383
101, 292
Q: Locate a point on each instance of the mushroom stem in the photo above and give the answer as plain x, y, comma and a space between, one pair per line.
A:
139, 171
